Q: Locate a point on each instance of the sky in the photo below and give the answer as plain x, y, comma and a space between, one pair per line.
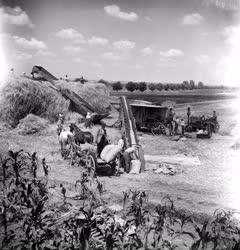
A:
138, 40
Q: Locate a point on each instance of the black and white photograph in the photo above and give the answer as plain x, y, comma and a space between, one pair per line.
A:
120, 124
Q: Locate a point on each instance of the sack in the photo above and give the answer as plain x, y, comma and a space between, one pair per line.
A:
112, 153
135, 167
106, 150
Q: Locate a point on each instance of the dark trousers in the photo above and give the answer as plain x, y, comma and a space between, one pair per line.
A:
183, 130
101, 145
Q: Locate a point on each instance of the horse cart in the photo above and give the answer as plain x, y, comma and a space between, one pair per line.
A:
87, 159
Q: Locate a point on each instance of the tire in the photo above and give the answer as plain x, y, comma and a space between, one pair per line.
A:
91, 164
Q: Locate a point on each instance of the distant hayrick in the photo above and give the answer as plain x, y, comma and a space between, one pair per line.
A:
115, 11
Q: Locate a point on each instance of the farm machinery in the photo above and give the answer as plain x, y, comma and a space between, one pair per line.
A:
87, 158
204, 126
77, 103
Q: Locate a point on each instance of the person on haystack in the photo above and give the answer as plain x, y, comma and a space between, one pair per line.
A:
88, 121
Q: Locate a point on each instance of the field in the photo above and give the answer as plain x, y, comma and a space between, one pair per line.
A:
199, 189
179, 97
196, 190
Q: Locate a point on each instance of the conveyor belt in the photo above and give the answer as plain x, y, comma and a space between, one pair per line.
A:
129, 129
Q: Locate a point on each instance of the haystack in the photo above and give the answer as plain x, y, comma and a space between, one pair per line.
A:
31, 124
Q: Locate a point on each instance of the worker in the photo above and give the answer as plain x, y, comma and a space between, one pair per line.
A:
188, 115
101, 138
182, 125
214, 115
177, 123
169, 121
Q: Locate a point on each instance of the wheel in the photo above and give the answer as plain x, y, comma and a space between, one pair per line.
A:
91, 163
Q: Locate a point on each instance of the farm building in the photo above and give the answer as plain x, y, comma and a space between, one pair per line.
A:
146, 114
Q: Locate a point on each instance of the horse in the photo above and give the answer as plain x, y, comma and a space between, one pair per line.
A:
65, 138
80, 136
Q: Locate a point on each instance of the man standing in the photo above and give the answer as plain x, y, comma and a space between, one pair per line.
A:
182, 124
169, 120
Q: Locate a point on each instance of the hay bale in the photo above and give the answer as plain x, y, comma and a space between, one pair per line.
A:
96, 94
22, 96
31, 124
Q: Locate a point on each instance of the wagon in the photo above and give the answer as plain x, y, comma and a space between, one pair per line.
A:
93, 165
149, 116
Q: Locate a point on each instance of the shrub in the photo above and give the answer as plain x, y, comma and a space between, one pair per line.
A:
142, 86
22, 96
117, 86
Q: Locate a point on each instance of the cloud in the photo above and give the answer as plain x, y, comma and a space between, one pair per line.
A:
95, 64
32, 44
124, 45
21, 56
171, 53
15, 16
223, 4
45, 53
72, 34
136, 66
227, 68
202, 59
148, 18
112, 56
115, 11
73, 49
78, 60
98, 41
192, 19
147, 51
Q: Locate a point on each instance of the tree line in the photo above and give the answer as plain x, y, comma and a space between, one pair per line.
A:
143, 86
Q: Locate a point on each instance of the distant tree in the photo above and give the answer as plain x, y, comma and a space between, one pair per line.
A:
171, 86
117, 86
142, 86
159, 87
166, 86
200, 85
192, 84
131, 86
152, 86
185, 85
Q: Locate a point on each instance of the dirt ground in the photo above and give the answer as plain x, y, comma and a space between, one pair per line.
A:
197, 189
